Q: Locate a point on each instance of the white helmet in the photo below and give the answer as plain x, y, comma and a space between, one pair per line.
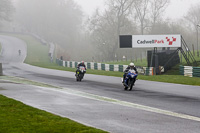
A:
131, 64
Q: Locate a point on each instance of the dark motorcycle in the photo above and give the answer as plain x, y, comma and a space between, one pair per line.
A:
80, 73
19, 51
130, 80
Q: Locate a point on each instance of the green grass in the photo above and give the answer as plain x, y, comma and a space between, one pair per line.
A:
170, 78
15, 117
195, 57
36, 52
38, 56
142, 62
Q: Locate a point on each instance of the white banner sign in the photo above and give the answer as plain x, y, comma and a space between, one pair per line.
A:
146, 41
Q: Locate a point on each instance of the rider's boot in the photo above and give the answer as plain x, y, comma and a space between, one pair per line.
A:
124, 76
125, 84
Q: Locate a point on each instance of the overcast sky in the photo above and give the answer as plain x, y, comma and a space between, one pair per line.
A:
176, 9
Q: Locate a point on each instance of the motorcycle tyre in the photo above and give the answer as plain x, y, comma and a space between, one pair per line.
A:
125, 88
130, 84
77, 78
131, 87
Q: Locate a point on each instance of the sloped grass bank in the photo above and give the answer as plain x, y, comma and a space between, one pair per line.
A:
36, 51
38, 56
16, 117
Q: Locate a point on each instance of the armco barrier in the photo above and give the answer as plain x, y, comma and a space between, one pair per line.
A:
116, 68
73, 64
196, 71
105, 67
95, 66
92, 65
70, 64
121, 69
181, 70
148, 70
88, 66
76, 64
99, 66
111, 67
189, 71
66, 64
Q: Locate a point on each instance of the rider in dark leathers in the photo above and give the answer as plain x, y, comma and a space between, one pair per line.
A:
80, 64
131, 66
19, 51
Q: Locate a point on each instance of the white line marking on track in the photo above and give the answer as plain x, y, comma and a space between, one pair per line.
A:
119, 102
129, 104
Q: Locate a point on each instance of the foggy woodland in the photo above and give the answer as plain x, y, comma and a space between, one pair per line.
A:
95, 38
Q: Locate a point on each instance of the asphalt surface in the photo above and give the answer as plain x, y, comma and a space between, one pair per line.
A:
100, 101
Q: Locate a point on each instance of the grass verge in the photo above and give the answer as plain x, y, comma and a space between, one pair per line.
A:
142, 62
38, 56
36, 51
171, 78
25, 81
15, 117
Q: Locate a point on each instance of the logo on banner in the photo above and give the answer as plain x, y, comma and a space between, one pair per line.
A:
150, 42
157, 41
140, 41
169, 40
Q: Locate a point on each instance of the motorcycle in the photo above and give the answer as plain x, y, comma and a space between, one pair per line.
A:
130, 80
80, 73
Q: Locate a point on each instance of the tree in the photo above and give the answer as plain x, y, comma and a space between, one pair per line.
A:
107, 27
194, 19
157, 8
57, 21
193, 16
141, 8
6, 10
148, 12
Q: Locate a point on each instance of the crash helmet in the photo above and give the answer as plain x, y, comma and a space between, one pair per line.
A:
82, 62
132, 65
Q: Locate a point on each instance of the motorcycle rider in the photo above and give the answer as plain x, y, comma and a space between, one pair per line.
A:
19, 51
130, 67
80, 64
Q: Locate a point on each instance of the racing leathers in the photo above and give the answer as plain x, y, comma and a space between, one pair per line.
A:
126, 72
80, 64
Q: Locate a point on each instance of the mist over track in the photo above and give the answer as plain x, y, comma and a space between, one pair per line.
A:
100, 101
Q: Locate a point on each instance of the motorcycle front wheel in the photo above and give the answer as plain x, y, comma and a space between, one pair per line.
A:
130, 84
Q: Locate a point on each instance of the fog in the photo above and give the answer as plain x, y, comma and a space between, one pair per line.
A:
96, 37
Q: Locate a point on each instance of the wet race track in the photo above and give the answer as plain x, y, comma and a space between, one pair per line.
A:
100, 101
